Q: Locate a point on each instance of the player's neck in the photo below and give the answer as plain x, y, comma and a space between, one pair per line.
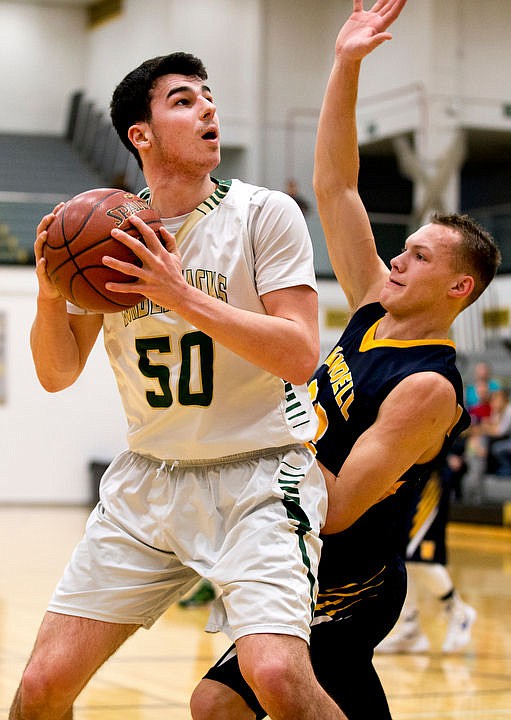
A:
175, 196
394, 327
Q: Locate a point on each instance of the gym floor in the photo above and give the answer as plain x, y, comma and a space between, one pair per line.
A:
152, 676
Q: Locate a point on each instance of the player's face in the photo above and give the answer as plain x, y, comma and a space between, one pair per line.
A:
422, 275
184, 127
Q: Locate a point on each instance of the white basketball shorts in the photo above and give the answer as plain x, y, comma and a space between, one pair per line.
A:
250, 526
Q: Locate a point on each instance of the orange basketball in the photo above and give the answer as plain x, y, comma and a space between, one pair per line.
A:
78, 239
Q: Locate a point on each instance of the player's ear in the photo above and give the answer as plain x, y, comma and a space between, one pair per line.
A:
462, 286
139, 136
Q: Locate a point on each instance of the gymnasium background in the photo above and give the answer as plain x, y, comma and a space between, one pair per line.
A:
434, 126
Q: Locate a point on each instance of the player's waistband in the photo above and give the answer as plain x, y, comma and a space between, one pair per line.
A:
226, 459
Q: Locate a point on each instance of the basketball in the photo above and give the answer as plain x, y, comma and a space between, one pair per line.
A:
78, 239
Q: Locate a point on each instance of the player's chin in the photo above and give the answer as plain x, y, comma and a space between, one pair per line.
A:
212, 155
384, 297
388, 301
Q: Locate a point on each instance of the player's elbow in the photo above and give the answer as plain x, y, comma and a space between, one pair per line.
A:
337, 522
322, 190
301, 370
55, 383
328, 186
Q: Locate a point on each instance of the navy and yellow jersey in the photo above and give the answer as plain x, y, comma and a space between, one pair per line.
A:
348, 390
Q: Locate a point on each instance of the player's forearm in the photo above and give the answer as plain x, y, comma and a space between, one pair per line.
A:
336, 157
285, 347
53, 344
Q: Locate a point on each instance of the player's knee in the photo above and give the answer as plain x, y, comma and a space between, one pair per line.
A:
214, 701
272, 677
42, 690
202, 703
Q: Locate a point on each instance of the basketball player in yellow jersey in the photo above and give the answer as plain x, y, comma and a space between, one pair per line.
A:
211, 369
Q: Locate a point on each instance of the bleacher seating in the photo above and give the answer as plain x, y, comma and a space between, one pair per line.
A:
36, 172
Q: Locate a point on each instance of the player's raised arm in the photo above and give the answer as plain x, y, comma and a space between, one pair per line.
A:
346, 225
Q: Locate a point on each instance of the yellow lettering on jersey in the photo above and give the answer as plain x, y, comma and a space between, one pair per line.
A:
157, 309
346, 404
222, 288
143, 309
208, 282
334, 355
199, 277
340, 380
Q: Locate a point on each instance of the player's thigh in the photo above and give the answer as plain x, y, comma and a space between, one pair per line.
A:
69, 650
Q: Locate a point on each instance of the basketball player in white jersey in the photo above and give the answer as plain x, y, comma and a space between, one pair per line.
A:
211, 369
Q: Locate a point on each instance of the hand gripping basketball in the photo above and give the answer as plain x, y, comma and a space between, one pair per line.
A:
78, 239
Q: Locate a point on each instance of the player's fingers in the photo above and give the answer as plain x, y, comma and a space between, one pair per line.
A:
151, 239
45, 222
46, 287
168, 240
389, 10
378, 39
40, 239
139, 247
124, 267
127, 287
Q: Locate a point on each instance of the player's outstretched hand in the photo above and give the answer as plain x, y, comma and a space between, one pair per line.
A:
366, 29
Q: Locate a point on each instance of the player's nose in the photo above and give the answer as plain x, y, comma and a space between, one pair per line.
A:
208, 108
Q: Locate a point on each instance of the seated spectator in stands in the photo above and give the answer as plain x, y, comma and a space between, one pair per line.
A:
497, 426
483, 434
501, 453
482, 374
481, 408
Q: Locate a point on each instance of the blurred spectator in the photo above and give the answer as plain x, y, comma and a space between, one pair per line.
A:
501, 453
292, 190
482, 374
483, 435
481, 408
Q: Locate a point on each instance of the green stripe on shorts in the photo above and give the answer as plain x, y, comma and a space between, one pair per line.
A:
289, 479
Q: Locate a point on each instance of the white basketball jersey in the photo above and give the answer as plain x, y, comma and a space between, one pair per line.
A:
187, 397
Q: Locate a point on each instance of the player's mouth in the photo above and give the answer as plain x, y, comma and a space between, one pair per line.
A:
211, 134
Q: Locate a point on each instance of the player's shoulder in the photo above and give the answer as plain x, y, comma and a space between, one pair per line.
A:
259, 195
429, 385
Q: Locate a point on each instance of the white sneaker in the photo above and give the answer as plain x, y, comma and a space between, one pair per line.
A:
460, 620
406, 638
